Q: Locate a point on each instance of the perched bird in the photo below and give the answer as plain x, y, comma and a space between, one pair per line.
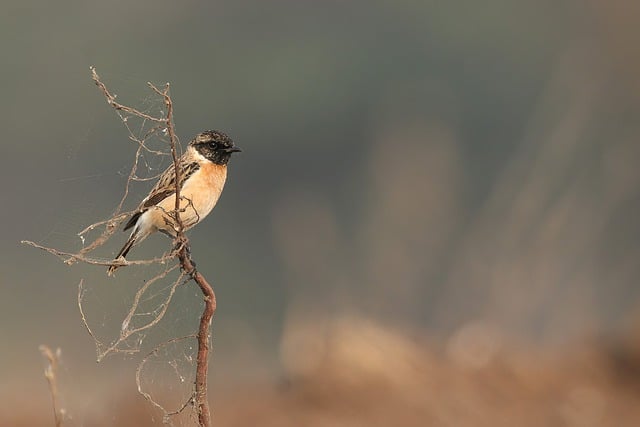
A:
203, 172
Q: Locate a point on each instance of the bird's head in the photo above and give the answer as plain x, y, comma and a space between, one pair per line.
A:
214, 146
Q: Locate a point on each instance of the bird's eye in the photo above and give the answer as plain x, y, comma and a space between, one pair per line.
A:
213, 145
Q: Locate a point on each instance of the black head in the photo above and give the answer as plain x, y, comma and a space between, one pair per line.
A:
215, 146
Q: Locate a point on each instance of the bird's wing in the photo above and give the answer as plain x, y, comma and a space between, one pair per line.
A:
164, 188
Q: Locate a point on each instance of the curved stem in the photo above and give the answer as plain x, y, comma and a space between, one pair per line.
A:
202, 360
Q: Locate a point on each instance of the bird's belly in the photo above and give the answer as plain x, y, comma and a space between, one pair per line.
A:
197, 199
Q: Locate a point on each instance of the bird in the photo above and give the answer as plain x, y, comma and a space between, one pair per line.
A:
203, 173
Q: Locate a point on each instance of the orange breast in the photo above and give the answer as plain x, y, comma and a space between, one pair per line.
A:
198, 197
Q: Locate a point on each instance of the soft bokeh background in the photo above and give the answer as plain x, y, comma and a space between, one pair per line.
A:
435, 197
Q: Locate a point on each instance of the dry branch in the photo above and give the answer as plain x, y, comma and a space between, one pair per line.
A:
202, 363
182, 243
126, 330
51, 374
161, 126
70, 258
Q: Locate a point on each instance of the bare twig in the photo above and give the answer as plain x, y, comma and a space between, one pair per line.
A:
126, 329
161, 126
71, 258
202, 361
50, 373
111, 99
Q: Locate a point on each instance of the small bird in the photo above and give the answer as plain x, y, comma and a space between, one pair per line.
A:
203, 172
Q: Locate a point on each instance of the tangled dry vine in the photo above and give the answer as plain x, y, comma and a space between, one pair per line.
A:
161, 126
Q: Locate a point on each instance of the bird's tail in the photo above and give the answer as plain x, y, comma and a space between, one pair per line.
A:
123, 252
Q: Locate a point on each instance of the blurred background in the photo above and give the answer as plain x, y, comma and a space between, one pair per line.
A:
434, 220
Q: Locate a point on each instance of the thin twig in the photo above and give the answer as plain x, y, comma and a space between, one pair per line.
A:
173, 143
126, 330
111, 99
71, 258
50, 373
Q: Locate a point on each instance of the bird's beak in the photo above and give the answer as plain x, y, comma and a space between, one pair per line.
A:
233, 150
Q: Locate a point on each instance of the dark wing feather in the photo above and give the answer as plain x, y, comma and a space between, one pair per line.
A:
164, 188
132, 221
